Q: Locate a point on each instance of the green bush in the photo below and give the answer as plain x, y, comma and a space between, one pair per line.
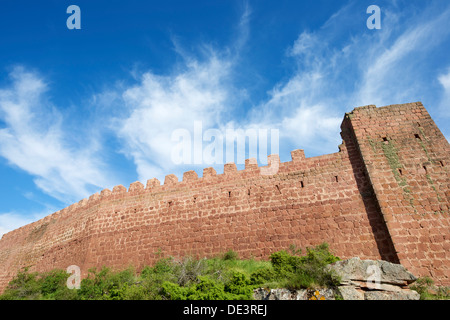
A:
230, 255
295, 272
222, 278
262, 276
239, 285
173, 291
32, 286
425, 287
25, 286
207, 289
53, 286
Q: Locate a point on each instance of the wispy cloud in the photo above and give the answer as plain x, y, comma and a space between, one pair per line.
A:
393, 60
337, 66
159, 105
199, 89
444, 106
13, 220
34, 140
335, 71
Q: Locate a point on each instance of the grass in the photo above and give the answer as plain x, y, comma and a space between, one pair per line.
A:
425, 287
225, 277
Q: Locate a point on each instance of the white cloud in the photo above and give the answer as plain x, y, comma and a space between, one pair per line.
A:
444, 106
11, 220
332, 72
392, 62
329, 77
34, 139
159, 105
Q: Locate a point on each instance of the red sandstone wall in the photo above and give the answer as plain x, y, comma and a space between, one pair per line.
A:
307, 202
310, 200
407, 159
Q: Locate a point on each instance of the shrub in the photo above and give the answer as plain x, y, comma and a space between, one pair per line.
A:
188, 270
31, 286
283, 263
207, 289
53, 285
172, 291
425, 287
239, 285
262, 276
230, 255
220, 278
294, 272
25, 286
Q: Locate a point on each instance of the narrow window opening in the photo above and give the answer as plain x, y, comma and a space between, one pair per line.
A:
336, 178
248, 191
425, 168
195, 199
442, 163
301, 184
229, 194
400, 171
278, 188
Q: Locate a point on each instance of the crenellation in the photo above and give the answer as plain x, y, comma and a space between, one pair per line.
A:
105, 193
190, 176
230, 168
209, 173
170, 180
136, 187
83, 202
298, 155
94, 198
365, 200
73, 207
118, 190
152, 184
251, 164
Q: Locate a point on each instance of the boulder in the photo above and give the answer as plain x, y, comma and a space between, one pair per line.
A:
360, 280
372, 272
373, 280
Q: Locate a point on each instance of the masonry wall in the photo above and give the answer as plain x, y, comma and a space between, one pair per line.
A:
407, 159
340, 198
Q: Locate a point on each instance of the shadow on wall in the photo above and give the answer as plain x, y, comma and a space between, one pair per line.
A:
379, 228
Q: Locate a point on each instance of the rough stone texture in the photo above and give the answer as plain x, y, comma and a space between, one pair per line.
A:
373, 280
357, 283
351, 293
406, 158
385, 295
385, 195
355, 270
285, 294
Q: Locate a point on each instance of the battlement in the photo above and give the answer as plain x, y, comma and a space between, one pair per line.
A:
384, 195
192, 180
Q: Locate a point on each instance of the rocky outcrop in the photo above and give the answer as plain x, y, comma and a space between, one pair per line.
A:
286, 294
360, 280
374, 280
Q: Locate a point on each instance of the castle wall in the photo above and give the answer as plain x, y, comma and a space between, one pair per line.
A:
407, 160
350, 199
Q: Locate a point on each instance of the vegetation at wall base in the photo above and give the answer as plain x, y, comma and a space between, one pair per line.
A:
425, 287
220, 278
225, 277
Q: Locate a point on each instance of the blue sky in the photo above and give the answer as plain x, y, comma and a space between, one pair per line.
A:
83, 110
